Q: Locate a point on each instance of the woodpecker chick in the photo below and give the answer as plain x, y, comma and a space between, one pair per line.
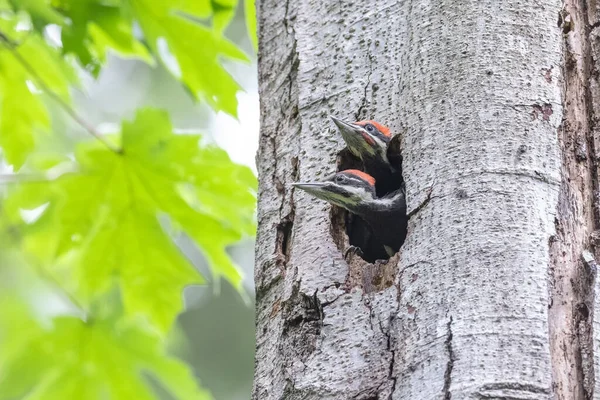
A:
354, 190
365, 139
369, 141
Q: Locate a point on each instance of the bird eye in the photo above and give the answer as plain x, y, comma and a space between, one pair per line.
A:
339, 179
370, 128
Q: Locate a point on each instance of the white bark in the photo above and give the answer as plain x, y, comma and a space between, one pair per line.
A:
477, 89
482, 136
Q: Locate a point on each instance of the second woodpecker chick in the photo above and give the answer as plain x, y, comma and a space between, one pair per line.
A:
355, 191
369, 141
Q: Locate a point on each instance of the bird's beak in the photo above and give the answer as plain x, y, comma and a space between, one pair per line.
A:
317, 189
359, 141
342, 125
328, 191
308, 186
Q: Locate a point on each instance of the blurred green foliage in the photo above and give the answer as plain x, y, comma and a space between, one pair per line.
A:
108, 208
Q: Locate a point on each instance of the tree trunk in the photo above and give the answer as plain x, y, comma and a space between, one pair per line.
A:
490, 296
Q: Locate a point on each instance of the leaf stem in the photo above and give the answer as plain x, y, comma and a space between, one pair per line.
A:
48, 277
12, 46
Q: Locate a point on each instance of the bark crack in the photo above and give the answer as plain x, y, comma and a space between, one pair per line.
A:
287, 10
364, 100
422, 205
583, 320
510, 391
388, 385
450, 364
589, 72
391, 349
303, 321
290, 115
532, 174
323, 98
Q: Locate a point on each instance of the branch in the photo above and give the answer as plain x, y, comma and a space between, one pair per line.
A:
49, 278
12, 46
34, 178
20, 178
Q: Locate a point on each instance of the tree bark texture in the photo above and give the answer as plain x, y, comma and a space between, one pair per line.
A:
489, 297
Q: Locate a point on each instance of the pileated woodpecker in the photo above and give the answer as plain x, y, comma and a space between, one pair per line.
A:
369, 141
354, 190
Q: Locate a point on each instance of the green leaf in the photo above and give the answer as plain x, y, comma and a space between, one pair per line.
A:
41, 161
17, 325
224, 11
195, 8
186, 35
109, 30
196, 49
95, 360
18, 124
97, 26
41, 12
102, 224
250, 11
49, 66
21, 125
